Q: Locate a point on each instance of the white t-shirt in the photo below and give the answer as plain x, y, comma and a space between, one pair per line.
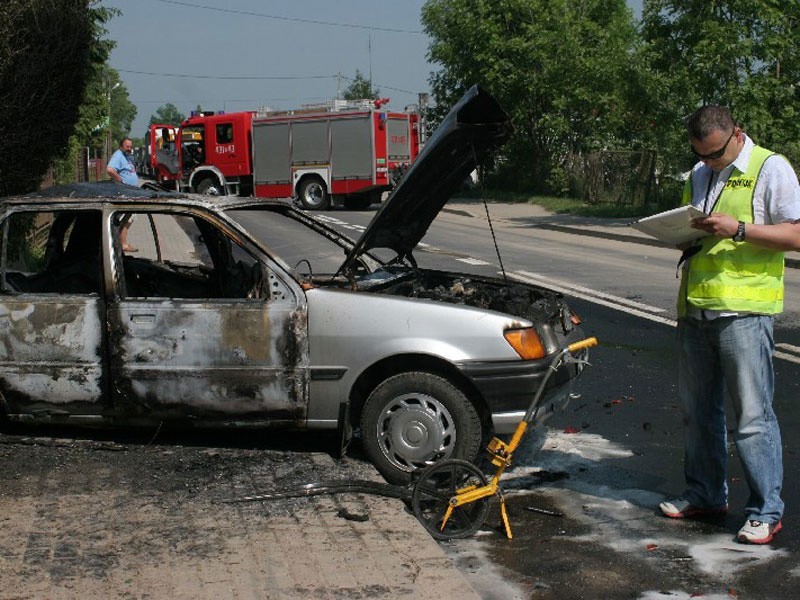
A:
776, 198
777, 195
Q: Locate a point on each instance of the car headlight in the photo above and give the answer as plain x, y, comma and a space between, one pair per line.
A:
526, 342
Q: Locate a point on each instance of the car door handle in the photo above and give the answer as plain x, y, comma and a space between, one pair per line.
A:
144, 319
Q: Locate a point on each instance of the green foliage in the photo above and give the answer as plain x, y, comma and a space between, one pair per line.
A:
23, 247
738, 53
360, 88
578, 76
106, 100
49, 52
560, 67
168, 114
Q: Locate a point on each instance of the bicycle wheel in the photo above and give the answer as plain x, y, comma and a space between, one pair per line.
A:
431, 498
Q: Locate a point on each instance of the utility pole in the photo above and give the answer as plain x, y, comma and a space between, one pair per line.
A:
370, 62
423, 99
109, 140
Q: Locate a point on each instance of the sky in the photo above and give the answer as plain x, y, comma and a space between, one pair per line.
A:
252, 54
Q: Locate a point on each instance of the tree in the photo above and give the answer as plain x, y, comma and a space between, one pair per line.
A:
739, 53
559, 67
168, 114
49, 51
360, 88
104, 91
106, 105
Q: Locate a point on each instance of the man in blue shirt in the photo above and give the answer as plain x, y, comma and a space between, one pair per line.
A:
120, 168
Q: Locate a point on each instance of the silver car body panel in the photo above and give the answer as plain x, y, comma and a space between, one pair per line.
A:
351, 331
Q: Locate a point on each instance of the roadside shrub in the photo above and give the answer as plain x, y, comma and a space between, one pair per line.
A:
45, 62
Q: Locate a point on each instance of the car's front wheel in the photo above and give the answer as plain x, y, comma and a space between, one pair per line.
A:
413, 420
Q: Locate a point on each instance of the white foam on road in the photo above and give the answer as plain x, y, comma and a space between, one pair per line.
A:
624, 519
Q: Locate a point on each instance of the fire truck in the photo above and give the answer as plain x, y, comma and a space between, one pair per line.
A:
344, 153
157, 138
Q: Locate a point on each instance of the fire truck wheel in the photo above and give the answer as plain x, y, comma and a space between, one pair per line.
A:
209, 187
313, 194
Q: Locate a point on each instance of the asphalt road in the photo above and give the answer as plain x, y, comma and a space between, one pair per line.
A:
606, 462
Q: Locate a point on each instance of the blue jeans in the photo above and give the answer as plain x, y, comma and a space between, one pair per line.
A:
730, 357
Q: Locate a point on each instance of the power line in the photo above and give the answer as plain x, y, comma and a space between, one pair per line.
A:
297, 20
257, 78
380, 85
229, 77
224, 101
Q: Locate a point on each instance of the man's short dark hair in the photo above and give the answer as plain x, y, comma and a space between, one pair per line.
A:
709, 118
123, 140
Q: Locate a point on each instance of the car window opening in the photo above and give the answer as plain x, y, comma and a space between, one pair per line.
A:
51, 252
178, 256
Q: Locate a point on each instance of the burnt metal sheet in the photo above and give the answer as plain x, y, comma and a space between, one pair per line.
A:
210, 358
50, 350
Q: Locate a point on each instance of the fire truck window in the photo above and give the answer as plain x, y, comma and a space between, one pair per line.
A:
192, 146
53, 252
224, 133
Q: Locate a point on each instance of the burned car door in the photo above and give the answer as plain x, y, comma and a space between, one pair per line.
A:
202, 328
51, 313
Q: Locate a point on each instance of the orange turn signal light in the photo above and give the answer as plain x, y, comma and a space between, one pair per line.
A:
526, 343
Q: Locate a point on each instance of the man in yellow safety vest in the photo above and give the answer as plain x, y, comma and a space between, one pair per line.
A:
731, 286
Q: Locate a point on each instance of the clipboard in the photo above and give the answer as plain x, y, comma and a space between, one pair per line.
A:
672, 227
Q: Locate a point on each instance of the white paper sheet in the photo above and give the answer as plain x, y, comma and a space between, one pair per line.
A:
672, 226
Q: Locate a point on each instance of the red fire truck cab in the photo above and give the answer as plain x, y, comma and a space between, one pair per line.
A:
341, 154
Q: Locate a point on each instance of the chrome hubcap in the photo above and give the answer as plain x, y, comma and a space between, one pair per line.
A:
414, 431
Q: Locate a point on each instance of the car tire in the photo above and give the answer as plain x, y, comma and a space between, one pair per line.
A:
413, 420
313, 194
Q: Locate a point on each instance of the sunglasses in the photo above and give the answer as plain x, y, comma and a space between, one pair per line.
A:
717, 153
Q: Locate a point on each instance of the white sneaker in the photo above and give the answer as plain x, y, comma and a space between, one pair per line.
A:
680, 508
758, 532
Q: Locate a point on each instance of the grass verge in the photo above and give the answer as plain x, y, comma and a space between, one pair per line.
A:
568, 206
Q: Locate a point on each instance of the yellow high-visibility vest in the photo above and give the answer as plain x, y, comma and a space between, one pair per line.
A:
734, 276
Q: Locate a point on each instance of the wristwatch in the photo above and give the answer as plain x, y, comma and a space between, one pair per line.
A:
739, 235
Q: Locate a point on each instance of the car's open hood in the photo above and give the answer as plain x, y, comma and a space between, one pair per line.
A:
472, 129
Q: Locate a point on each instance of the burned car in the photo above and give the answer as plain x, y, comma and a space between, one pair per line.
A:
243, 312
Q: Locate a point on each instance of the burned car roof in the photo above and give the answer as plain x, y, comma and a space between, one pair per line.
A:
473, 129
100, 189
97, 194
116, 192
